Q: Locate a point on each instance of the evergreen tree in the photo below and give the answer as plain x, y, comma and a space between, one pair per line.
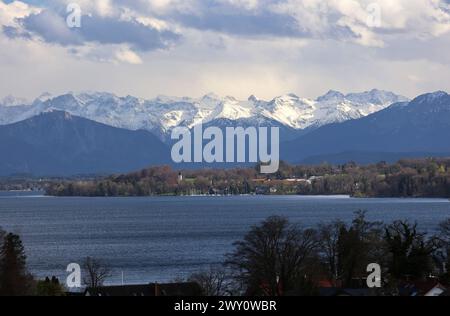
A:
49, 287
14, 278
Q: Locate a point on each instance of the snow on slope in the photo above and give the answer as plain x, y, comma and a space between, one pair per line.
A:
289, 110
163, 113
10, 100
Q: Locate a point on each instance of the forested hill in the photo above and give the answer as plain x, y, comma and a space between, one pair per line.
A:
406, 178
60, 144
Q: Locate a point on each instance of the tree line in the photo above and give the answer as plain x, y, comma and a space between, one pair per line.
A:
278, 258
406, 178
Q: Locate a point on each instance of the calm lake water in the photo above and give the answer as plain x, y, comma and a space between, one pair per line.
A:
163, 238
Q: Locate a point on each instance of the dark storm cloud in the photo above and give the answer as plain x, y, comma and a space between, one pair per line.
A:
262, 21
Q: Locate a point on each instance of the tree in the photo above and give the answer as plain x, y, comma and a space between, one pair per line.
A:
346, 251
444, 251
213, 282
444, 231
96, 272
49, 287
409, 251
271, 259
371, 243
329, 240
14, 278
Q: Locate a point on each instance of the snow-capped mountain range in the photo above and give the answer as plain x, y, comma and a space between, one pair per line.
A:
160, 115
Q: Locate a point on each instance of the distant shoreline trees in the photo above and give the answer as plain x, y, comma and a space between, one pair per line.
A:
406, 178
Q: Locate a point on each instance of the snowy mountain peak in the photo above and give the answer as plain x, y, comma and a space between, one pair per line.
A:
211, 96
231, 109
331, 95
290, 97
10, 100
375, 96
438, 98
44, 97
252, 98
161, 114
435, 95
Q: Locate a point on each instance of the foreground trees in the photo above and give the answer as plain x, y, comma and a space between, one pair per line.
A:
14, 277
213, 282
96, 272
272, 259
410, 253
443, 253
279, 258
346, 250
49, 287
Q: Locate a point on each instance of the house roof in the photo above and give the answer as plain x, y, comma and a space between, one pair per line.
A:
151, 289
419, 288
445, 293
332, 291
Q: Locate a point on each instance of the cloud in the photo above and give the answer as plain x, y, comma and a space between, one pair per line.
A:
243, 23
52, 28
343, 20
231, 47
108, 33
128, 56
16, 9
13, 32
147, 25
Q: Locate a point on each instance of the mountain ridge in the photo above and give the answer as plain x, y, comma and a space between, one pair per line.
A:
58, 143
421, 125
161, 114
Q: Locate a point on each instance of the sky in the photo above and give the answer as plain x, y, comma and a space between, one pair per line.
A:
237, 48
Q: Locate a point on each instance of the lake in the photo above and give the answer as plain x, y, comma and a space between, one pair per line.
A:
163, 238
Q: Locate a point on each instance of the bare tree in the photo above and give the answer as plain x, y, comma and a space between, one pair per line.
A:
444, 231
96, 272
329, 248
214, 282
271, 260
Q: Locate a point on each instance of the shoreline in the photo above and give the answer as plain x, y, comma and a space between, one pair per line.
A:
331, 196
